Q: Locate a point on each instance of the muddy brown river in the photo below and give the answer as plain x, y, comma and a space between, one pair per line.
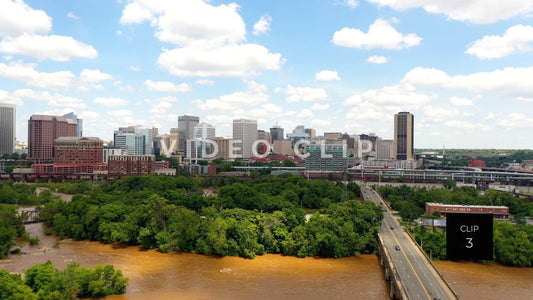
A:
155, 275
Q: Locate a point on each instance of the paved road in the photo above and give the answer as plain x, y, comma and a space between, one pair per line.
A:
418, 277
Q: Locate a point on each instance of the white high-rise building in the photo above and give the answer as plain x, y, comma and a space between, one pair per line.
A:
7, 128
245, 131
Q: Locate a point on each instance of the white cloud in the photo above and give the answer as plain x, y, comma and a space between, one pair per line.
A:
306, 94
6, 97
118, 84
351, 3
239, 60
205, 82
467, 126
318, 106
72, 16
22, 27
377, 59
161, 108
457, 101
167, 86
188, 22
516, 39
516, 121
89, 115
366, 112
380, 35
512, 81
263, 25
66, 102
170, 99
53, 99
110, 101
396, 95
490, 116
26, 73
90, 79
353, 100
306, 113
209, 39
327, 75
525, 99
439, 114
380, 104
135, 68
93, 76
253, 96
16, 17
42, 47
321, 123
475, 11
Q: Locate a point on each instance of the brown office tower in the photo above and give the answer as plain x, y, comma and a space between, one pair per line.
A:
404, 135
43, 130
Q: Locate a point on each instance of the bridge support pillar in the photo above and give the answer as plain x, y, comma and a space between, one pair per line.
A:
387, 274
393, 292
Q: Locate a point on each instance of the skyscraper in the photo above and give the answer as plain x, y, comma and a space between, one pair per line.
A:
130, 143
202, 131
7, 128
79, 122
174, 140
186, 125
133, 142
245, 131
404, 135
43, 130
276, 133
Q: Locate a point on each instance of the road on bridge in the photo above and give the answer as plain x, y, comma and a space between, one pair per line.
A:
418, 276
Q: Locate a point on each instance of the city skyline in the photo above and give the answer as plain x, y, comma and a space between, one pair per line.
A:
334, 66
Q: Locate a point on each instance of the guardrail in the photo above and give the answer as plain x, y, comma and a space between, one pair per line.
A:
432, 264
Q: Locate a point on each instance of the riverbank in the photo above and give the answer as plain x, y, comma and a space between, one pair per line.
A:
158, 275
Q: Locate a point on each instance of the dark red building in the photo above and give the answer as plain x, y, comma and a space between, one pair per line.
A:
43, 130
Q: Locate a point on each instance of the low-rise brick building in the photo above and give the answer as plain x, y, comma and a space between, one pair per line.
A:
129, 165
499, 212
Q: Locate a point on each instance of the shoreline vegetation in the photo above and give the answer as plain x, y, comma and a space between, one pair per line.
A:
44, 281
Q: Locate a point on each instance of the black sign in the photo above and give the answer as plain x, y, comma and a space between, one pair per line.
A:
469, 236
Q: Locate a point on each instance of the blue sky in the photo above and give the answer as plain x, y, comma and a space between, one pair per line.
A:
463, 68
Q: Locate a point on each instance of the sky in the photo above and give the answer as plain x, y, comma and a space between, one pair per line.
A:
463, 68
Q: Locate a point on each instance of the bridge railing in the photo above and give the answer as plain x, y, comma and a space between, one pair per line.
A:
432, 265
395, 277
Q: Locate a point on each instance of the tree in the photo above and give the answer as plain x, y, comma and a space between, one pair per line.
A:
449, 183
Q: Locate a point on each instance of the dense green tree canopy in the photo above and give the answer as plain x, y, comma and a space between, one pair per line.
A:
242, 217
44, 281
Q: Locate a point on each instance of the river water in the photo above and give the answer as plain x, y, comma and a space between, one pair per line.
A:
155, 275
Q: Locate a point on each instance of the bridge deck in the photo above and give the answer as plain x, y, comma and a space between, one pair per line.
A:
419, 277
